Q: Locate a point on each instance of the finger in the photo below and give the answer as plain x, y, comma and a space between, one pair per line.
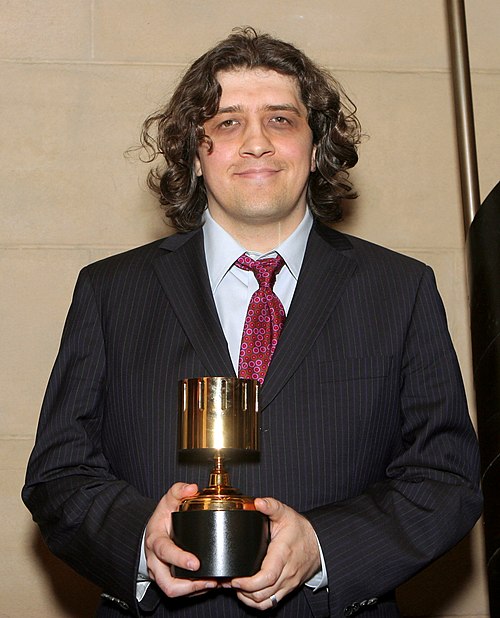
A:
160, 571
267, 577
200, 593
160, 521
256, 591
167, 552
177, 493
176, 587
269, 600
270, 507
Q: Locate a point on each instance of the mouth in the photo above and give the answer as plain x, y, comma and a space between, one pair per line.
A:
258, 173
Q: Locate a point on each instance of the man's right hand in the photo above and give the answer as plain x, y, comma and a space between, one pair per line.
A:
162, 553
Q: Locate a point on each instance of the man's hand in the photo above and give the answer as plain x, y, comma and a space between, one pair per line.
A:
292, 557
161, 552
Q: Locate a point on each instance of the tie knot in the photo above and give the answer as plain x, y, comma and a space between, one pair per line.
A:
265, 270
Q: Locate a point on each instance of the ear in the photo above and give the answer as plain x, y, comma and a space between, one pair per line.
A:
313, 159
197, 166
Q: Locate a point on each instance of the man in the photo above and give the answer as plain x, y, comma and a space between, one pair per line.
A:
368, 457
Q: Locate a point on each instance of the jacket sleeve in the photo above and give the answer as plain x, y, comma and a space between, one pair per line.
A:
430, 497
88, 517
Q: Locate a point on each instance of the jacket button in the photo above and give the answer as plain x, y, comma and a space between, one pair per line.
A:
113, 599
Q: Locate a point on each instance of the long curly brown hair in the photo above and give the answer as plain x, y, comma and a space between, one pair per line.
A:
176, 131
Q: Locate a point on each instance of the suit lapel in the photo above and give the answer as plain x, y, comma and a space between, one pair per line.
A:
325, 272
324, 275
183, 275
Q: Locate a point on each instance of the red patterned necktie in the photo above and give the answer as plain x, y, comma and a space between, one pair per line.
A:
264, 319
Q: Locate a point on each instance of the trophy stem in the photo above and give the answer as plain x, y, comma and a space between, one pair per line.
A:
218, 477
219, 495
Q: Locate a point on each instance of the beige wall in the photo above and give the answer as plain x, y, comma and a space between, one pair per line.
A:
78, 77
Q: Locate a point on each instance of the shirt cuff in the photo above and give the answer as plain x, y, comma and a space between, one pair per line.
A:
143, 580
320, 579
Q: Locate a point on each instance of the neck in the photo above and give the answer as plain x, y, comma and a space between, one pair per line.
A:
253, 238
260, 236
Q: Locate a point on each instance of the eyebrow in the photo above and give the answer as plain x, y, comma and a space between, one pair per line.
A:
280, 107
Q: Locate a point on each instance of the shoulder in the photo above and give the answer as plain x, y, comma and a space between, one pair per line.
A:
138, 260
370, 256
386, 281
369, 253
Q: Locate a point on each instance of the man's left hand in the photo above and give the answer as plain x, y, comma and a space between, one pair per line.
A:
292, 557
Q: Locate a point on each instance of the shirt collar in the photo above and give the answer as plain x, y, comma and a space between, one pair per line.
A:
222, 250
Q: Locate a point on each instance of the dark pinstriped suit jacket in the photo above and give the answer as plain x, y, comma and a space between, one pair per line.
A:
364, 422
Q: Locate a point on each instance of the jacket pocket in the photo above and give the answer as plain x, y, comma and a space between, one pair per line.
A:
361, 368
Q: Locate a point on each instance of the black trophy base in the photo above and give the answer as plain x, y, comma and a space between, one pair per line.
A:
228, 544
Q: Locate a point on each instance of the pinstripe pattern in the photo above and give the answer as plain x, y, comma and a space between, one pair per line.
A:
364, 424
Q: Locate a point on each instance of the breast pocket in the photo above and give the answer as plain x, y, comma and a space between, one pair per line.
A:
362, 391
356, 369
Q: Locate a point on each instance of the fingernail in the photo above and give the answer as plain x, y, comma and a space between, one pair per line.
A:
235, 585
210, 584
190, 565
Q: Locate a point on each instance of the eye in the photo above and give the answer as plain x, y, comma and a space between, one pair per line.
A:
226, 124
280, 120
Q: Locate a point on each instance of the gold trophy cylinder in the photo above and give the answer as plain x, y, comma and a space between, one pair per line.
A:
218, 417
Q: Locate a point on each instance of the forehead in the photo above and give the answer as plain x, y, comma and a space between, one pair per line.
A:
252, 86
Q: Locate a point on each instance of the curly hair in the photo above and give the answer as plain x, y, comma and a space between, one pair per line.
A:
176, 131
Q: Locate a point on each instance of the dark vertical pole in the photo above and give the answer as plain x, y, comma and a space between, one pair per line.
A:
464, 115
482, 230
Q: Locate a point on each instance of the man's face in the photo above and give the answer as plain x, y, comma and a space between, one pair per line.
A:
263, 153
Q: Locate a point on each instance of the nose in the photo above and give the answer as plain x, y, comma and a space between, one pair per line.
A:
256, 141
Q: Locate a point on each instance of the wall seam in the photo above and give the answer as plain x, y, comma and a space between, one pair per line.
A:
177, 65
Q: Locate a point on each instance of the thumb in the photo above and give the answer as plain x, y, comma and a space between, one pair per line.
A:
182, 490
177, 493
269, 507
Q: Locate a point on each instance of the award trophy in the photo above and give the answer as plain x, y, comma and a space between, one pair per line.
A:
218, 417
